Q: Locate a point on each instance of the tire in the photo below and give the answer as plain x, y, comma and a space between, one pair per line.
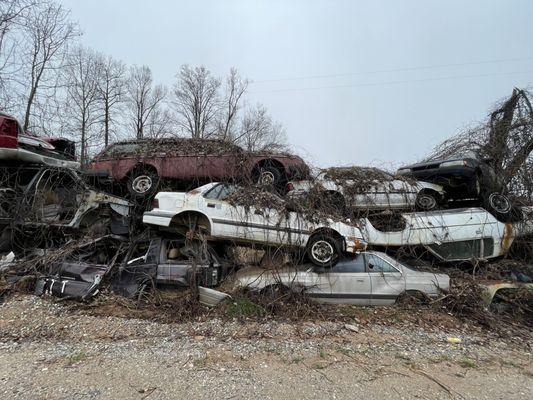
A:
269, 175
324, 250
499, 205
142, 183
427, 201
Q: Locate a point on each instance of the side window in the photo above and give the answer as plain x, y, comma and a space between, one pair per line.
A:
220, 192
356, 264
173, 253
377, 264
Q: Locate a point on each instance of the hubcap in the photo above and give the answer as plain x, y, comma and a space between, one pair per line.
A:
427, 202
499, 202
142, 184
322, 251
266, 178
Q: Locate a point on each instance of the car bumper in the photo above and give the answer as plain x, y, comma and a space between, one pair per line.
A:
35, 158
159, 218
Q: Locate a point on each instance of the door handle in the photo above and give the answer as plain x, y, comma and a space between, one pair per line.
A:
210, 205
360, 280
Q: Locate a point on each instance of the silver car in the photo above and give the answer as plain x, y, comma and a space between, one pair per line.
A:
369, 278
369, 189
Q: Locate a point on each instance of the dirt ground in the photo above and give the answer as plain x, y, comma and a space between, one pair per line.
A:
51, 350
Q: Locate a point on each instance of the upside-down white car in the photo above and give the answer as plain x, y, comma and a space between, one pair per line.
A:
370, 189
206, 210
370, 278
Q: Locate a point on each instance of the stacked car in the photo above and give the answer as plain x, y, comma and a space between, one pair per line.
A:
175, 212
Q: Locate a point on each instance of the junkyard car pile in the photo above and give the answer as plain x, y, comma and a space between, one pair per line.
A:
351, 234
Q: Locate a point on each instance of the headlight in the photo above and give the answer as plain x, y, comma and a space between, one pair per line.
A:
458, 163
403, 171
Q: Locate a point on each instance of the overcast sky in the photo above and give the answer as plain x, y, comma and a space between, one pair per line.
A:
352, 82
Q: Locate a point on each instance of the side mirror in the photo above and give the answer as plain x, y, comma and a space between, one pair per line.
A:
370, 266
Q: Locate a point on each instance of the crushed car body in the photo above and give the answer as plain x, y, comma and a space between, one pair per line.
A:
364, 188
452, 235
18, 146
79, 274
210, 211
58, 197
369, 278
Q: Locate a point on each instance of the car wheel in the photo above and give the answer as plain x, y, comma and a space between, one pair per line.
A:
499, 204
142, 183
426, 201
324, 250
269, 175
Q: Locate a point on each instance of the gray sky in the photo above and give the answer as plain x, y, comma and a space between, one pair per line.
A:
344, 77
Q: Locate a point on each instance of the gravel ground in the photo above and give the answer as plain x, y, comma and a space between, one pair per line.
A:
56, 351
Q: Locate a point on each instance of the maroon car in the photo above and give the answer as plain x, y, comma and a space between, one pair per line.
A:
141, 164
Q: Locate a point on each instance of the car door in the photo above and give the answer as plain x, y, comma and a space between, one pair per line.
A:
347, 282
228, 220
139, 269
387, 281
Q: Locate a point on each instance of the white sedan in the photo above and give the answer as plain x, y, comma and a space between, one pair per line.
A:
370, 278
210, 212
369, 189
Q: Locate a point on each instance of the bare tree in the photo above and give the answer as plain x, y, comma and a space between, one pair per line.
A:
83, 95
196, 101
235, 88
143, 98
48, 31
12, 14
111, 91
505, 139
259, 132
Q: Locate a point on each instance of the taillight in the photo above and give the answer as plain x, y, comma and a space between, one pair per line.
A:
289, 186
8, 133
155, 203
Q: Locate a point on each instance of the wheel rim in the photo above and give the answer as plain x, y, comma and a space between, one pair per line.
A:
142, 184
427, 202
266, 178
499, 202
322, 251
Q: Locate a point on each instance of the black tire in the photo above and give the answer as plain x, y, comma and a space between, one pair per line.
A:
499, 205
142, 183
269, 175
324, 250
427, 201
